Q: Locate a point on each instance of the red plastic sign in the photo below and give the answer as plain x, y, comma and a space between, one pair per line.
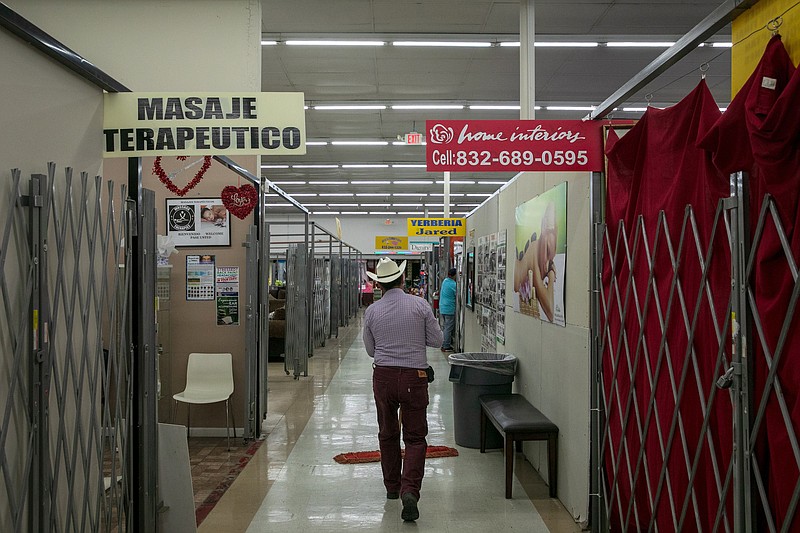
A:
514, 145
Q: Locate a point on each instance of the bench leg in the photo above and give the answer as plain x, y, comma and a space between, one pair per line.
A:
483, 431
509, 452
552, 463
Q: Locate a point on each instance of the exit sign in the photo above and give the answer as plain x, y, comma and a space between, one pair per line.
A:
413, 138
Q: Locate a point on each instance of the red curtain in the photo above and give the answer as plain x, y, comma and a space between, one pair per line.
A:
760, 134
654, 172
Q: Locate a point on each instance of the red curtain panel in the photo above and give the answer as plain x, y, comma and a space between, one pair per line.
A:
665, 317
760, 133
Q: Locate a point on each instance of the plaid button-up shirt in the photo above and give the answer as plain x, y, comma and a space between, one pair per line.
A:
398, 327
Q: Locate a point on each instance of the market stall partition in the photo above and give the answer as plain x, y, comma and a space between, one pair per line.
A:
697, 333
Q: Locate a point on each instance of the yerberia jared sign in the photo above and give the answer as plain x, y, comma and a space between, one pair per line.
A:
513, 145
153, 124
437, 227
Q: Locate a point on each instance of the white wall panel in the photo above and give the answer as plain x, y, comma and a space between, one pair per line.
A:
553, 371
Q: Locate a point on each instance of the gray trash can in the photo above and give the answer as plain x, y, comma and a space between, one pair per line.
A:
474, 374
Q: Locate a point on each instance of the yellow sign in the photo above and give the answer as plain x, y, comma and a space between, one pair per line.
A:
391, 243
750, 36
157, 124
437, 227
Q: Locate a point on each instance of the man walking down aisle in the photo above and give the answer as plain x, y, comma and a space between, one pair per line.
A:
447, 307
397, 329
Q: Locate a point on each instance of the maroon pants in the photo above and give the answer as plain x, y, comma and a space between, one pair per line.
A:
405, 389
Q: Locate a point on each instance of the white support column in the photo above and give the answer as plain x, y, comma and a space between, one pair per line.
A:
446, 200
527, 60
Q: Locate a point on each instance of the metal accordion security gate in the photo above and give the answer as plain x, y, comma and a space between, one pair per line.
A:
336, 296
694, 427
72, 422
297, 305
321, 301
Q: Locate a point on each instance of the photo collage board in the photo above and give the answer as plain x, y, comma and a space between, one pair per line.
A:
490, 289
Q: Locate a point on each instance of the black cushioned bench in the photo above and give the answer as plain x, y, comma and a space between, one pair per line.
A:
517, 420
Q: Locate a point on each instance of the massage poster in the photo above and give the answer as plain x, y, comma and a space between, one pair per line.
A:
540, 256
198, 222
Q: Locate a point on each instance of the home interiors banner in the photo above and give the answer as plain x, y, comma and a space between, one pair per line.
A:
153, 124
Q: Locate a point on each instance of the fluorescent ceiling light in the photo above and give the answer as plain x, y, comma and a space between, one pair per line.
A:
315, 166
454, 44
410, 194
468, 205
404, 165
355, 107
485, 195
456, 182
722, 45
723, 109
360, 194
386, 213
367, 165
289, 182
351, 212
413, 182
337, 194
370, 182
634, 109
332, 42
408, 213
343, 205
491, 182
327, 183
505, 44
408, 205
315, 205
375, 205
556, 44
304, 194
274, 166
316, 143
569, 108
427, 106
495, 107
403, 143
360, 143
266, 42
639, 44
325, 212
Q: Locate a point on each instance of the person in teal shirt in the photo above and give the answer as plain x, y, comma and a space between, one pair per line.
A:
447, 308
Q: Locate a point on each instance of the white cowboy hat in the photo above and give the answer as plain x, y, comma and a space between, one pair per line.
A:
387, 270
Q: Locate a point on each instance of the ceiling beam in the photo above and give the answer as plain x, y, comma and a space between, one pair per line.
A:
725, 13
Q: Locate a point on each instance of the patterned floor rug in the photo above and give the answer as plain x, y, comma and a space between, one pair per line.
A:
202, 510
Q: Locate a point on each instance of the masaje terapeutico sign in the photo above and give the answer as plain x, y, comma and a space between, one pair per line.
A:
153, 124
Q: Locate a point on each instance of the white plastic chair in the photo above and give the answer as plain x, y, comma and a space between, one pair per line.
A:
209, 379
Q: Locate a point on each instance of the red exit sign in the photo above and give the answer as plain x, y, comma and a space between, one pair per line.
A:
413, 138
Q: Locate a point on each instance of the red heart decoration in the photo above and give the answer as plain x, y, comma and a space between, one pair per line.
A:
165, 179
240, 201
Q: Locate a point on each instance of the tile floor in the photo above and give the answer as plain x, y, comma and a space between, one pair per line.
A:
293, 484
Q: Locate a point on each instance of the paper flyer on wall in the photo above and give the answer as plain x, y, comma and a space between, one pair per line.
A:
199, 277
227, 292
501, 287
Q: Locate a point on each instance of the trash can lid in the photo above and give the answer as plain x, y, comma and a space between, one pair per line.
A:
499, 363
